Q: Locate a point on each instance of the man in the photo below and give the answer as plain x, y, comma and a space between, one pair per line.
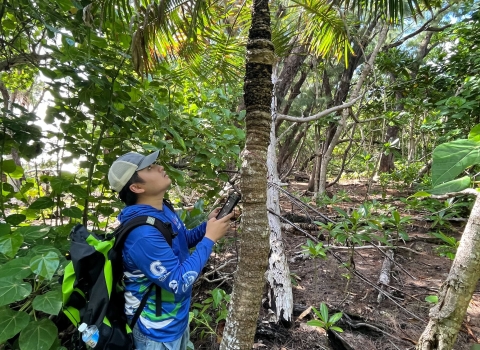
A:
148, 258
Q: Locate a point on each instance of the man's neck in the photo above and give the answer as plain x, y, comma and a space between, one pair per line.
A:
156, 202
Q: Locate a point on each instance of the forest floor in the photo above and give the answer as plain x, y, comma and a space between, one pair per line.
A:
368, 324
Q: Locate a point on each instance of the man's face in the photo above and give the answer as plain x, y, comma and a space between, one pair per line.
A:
155, 180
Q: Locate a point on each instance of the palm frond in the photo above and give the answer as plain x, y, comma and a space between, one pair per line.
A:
284, 31
219, 56
392, 10
202, 36
323, 28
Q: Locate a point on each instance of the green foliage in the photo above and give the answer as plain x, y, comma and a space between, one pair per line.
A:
324, 320
448, 249
432, 299
395, 225
403, 174
340, 196
450, 159
314, 250
194, 217
209, 312
446, 210
98, 109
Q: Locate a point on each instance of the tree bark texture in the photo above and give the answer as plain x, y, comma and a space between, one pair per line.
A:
387, 161
455, 294
280, 295
291, 67
386, 270
254, 235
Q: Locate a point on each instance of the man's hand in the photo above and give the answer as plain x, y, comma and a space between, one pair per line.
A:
216, 229
214, 213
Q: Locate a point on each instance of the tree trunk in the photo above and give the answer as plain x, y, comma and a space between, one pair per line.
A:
286, 151
341, 95
254, 244
280, 295
291, 67
387, 164
411, 142
313, 180
455, 294
327, 155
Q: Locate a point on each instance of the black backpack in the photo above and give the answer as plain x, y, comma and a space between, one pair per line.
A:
92, 289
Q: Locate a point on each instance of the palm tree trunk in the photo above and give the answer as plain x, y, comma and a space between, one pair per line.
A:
455, 294
254, 244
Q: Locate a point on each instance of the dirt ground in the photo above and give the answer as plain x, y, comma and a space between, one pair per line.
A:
368, 324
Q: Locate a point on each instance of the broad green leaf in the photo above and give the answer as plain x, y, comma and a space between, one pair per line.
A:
45, 71
31, 214
50, 302
45, 265
396, 216
7, 188
73, 212
474, 134
5, 229
17, 173
15, 219
19, 268
9, 244
42, 203
43, 250
9, 166
432, 299
217, 296
12, 290
11, 323
177, 137
78, 191
8, 24
38, 335
316, 323
420, 194
57, 345
31, 233
451, 158
324, 312
99, 42
60, 184
335, 318
452, 186
336, 329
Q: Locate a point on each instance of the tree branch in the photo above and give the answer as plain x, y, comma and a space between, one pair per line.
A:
467, 191
318, 115
423, 28
32, 58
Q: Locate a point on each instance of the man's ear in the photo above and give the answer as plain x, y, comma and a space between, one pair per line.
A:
136, 188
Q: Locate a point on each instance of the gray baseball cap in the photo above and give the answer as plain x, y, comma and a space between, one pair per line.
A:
125, 166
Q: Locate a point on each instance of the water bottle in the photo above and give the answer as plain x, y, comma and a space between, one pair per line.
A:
89, 334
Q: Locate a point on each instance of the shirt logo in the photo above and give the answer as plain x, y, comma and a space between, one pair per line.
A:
188, 279
174, 285
157, 269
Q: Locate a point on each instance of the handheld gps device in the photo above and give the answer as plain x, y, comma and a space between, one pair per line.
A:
229, 205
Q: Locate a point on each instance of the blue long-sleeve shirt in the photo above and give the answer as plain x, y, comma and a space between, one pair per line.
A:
148, 258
